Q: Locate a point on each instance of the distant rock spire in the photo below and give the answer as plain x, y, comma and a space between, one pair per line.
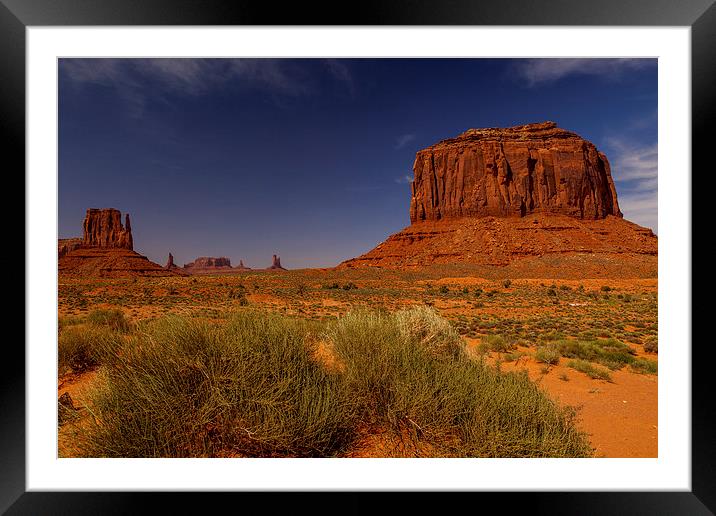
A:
276, 263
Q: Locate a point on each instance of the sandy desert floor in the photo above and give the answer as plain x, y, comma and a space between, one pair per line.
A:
619, 413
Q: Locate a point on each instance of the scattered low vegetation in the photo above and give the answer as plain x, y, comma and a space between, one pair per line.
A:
608, 352
651, 344
258, 385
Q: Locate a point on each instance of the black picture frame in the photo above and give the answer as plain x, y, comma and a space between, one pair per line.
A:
16, 15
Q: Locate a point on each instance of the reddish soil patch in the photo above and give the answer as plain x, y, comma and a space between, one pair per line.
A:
621, 417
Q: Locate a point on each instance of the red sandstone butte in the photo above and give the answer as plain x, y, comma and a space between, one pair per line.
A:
105, 249
103, 228
535, 197
515, 171
209, 262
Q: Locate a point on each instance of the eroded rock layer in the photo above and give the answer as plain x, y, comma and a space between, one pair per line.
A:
109, 262
534, 168
501, 241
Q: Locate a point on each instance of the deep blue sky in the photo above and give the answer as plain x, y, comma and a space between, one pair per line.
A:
309, 158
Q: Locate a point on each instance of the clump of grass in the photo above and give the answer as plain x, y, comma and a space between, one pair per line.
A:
506, 283
83, 347
350, 286
69, 320
547, 355
457, 406
590, 369
444, 289
113, 319
187, 389
425, 325
606, 288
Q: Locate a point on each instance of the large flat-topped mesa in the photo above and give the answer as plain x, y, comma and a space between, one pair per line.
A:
515, 171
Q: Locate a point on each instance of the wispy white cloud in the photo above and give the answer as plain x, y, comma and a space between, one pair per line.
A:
549, 70
136, 80
342, 73
635, 170
404, 179
634, 162
641, 208
403, 140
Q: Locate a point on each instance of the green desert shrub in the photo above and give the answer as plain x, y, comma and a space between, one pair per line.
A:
547, 355
111, 318
611, 353
591, 370
497, 343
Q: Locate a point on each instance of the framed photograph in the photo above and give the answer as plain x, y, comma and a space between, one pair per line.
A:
425, 248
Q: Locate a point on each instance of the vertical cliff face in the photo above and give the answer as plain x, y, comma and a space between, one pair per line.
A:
103, 228
516, 171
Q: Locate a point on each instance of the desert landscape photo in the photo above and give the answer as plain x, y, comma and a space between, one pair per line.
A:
355, 258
